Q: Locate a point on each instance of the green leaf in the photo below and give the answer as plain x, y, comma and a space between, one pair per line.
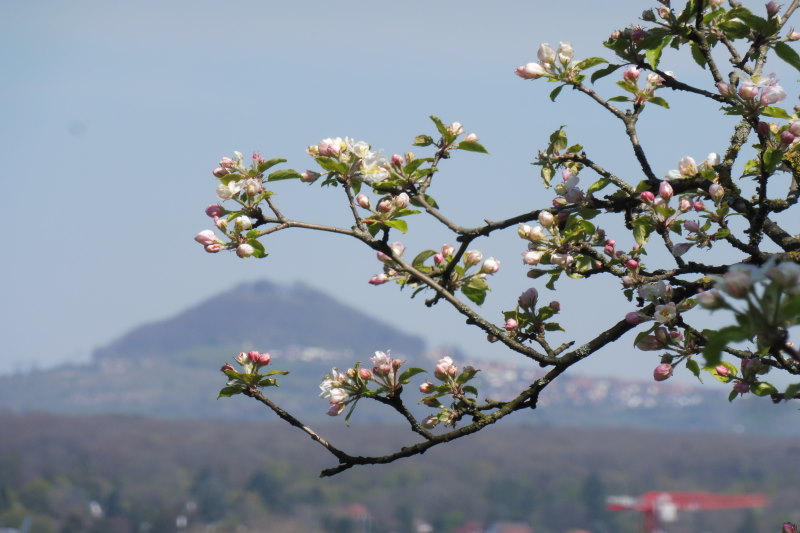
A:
409, 373
227, 392
555, 92
405, 212
470, 390
772, 159
658, 101
598, 185
397, 224
466, 375
762, 388
628, 86
642, 228
732, 396
547, 174
753, 21
268, 382
554, 275
788, 54
331, 165
603, 72
718, 340
423, 140
472, 146
619, 99
589, 62
440, 126
653, 55
475, 289
258, 248
275, 372
422, 257
287, 174
777, 112
734, 29
429, 199
374, 227
553, 326
697, 55
558, 140
694, 368
263, 166
791, 391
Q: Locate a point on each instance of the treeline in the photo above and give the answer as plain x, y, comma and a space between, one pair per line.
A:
129, 475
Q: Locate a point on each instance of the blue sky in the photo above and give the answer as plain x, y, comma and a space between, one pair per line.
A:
115, 113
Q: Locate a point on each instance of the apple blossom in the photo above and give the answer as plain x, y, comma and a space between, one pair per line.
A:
215, 210
335, 409
378, 279
565, 52
722, 370
426, 387
213, 248
438, 259
687, 166
227, 162
710, 300
447, 250
206, 237
473, 257
716, 191
309, 176
219, 172
398, 160
647, 197
242, 223
665, 313
546, 218
511, 324
401, 200
330, 147
471, 137
665, 190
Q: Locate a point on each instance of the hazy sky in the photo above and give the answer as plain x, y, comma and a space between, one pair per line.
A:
115, 113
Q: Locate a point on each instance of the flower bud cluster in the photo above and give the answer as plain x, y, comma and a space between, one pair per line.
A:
251, 375
653, 81
552, 63
390, 271
526, 321
753, 93
453, 382
360, 160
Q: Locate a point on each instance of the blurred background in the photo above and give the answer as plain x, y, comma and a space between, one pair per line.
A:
114, 116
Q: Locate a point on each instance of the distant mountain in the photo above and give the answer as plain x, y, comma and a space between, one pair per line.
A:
264, 316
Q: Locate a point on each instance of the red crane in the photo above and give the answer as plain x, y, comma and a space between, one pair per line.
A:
658, 507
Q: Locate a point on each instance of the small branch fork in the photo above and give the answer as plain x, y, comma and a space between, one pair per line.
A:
756, 211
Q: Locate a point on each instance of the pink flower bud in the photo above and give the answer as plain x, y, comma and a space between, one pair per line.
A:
490, 266
426, 387
627, 281
647, 197
664, 12
662, 372
546, 218
773, 8
631, 75
789, 527
511, 324
213, 248
793, 35
241, 358
794, 127
227, 367
442, 367
532, 258
455, 128
530, 71
741, 387
748, 90
635, 317
245, 250
471, 137
215, 210
264, 359
364, 373
385, 205
448, 250
401, 200
764, 128
219, 172
429, 422
438, 259
608, 250
710, 300
336, 409
206, 237
378, 279
724, 89
722, 370
398, 160
665, 190
787, 137
473, 257
632, 264
330, 147
684, 205
716, 191
363, 201
528, 298
638, 35
383, 257
692, 225
398, 248
227, 162
309, 176
698, 205
555, 306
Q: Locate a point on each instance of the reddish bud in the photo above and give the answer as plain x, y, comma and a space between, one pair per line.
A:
427, 387
787, 137
632, 264
665, 190
662, 372
722, 370
511, 324
647, 197
219, 172
364, 373
363, 201
398, 160
226, 367
378, 279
